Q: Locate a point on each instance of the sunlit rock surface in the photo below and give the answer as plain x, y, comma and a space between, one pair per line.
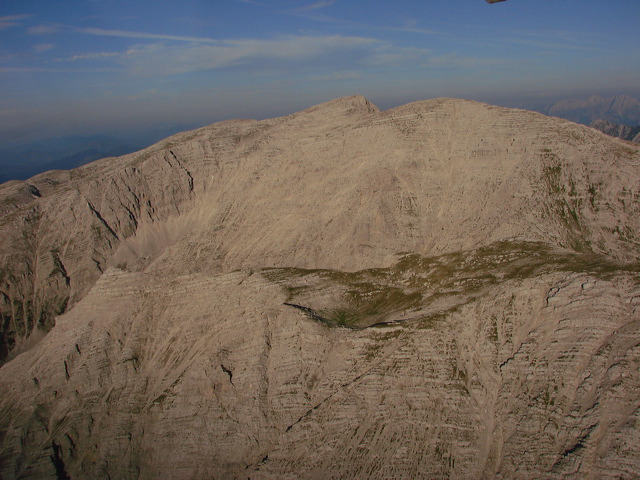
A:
443, 290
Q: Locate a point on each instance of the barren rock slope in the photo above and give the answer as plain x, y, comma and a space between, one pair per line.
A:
341, 185
446, 289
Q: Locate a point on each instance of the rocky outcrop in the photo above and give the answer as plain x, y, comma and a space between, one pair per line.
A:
61, 229
446, 289
532, 373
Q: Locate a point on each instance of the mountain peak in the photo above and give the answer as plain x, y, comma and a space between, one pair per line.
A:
349, 105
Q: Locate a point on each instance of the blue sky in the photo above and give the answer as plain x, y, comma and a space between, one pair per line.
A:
126, 66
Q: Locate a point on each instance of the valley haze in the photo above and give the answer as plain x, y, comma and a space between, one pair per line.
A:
121, 68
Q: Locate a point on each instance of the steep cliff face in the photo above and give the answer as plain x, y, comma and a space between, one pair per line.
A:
529, 370
60, 229
446, 289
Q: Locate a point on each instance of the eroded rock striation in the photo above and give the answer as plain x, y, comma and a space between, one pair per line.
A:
445, 289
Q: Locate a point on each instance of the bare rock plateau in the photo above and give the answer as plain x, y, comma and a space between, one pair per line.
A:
446, 289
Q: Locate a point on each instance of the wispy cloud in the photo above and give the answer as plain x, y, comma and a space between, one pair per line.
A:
556, 45
162, 59
455, 61
557, 40
89, 56
150, 36
316, 5
310, 12
53, 70
411, 26
11, 21
336, 77
559, 35
412, 29
311, 55
393, 56
22, 69
43, 47
42, 29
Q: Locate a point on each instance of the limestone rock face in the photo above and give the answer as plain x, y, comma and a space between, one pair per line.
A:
206, 376
341, 185
446, 289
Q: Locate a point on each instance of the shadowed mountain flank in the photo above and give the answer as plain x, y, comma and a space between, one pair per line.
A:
443, 289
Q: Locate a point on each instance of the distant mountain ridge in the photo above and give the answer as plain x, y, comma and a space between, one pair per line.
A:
620, 109
24, 161
626, 132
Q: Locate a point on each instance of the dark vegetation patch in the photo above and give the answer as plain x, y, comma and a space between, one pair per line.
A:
427, 289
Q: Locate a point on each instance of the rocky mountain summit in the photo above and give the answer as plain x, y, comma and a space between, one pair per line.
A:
445, 289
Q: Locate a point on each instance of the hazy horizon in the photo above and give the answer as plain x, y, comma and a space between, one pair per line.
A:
121, 69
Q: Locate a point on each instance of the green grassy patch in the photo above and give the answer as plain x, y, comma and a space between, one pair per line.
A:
426, 290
